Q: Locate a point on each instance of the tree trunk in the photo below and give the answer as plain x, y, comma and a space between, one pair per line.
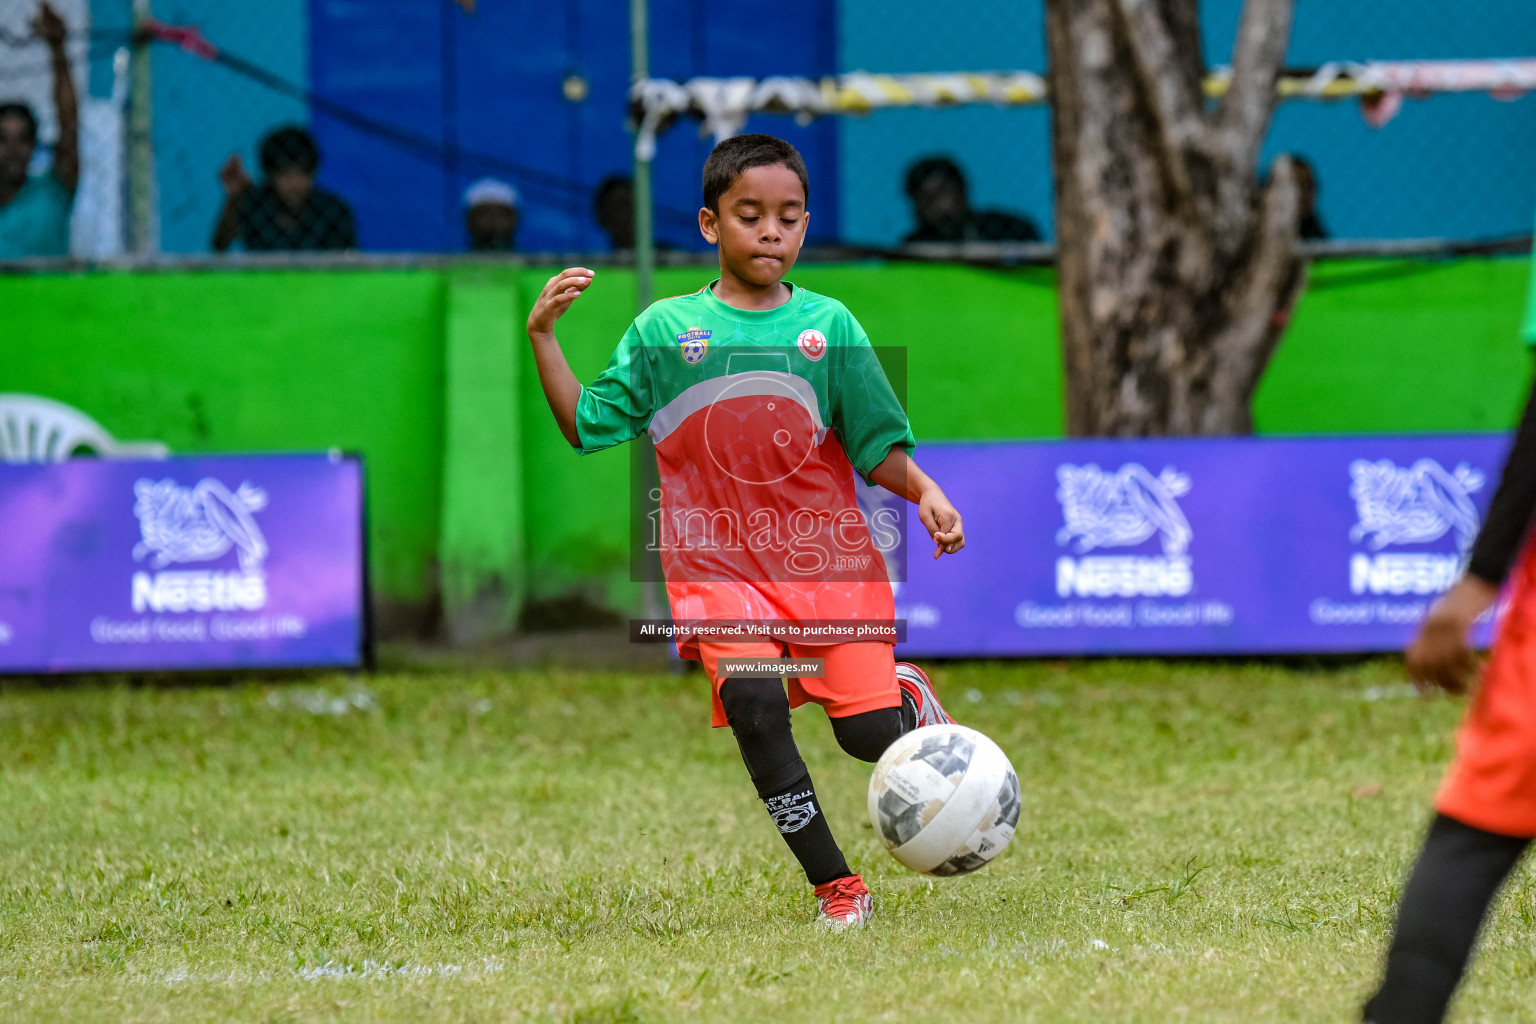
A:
1177, 271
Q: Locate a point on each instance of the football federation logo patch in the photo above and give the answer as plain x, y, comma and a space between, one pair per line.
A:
695, 342
814, 344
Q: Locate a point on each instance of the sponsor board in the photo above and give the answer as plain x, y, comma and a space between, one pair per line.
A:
181, 563
1221, 546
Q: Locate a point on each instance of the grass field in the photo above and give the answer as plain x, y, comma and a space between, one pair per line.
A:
1203, 842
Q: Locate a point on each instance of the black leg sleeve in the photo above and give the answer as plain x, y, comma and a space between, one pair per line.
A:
757, 709
1458, 872
866, 735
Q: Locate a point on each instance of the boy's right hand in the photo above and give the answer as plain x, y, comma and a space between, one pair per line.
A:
1439, 655
557, 296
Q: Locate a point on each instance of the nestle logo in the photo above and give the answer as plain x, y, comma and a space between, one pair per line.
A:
199, 591
1403, 573
199, 524
1413, 504
1416, 504
1123, 509
1125, 576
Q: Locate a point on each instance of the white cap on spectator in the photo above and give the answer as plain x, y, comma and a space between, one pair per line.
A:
492, 191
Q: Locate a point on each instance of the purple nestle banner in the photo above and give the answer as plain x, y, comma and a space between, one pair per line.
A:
1232, 545
186, 563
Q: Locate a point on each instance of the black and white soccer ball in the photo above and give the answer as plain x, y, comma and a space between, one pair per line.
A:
944, 800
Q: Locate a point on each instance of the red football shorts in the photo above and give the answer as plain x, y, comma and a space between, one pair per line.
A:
1491, 784
858, 677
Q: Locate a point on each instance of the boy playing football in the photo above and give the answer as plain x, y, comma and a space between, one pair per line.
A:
764, 400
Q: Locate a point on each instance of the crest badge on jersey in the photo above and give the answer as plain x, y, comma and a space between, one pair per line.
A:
814, 344
695, 343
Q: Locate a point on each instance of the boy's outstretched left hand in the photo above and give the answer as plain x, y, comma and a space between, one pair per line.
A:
942, 521
558, 294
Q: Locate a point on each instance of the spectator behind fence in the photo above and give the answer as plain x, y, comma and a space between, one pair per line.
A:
286, 211
490, 216
34, 209
613, 204
942, 207
1309, 224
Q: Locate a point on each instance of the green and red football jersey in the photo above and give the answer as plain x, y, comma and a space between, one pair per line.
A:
763, 421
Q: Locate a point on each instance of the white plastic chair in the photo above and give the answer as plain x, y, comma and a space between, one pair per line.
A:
35, 429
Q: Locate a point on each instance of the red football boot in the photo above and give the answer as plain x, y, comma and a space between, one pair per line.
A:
844, 903
916, 688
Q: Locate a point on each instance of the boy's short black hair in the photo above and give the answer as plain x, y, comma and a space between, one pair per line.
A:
291, 146
22, 111
740, 153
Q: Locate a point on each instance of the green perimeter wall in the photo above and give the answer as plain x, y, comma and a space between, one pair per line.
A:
471, 489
